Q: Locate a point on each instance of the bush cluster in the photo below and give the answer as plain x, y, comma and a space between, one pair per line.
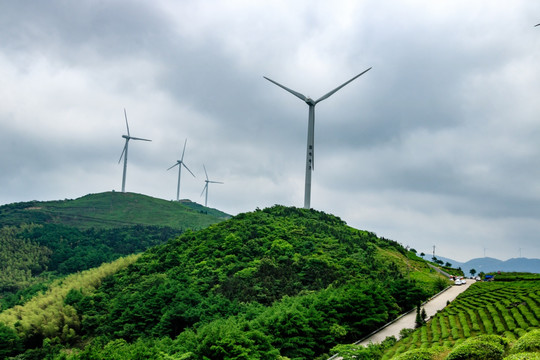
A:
481, 347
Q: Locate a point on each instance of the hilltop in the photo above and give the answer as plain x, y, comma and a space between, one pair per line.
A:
270, 283
111, 209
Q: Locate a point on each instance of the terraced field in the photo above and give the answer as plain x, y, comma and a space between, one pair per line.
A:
510, 309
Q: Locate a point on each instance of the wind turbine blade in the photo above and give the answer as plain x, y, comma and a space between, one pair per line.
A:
136, 138
125, 115
123, 151
183, 151
172, 166
297, 94
204, 188
205, 172
184, 165
215, 182
339, 87
536, 25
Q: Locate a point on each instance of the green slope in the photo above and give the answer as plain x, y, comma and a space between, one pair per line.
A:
274, 282
111, 209
43, 240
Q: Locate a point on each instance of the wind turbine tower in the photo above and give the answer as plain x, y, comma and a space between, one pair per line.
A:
180, 163
125, 151
205, 188
311, 131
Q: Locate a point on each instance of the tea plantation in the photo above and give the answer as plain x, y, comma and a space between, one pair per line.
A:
493, 316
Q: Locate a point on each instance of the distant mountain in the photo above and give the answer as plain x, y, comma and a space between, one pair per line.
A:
111, 210
488, 264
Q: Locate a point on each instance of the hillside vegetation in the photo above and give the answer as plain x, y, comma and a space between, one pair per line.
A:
274, 283
111, 210
40, 241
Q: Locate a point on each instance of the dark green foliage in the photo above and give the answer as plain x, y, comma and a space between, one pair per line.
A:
358, 352
516, 276
529, 342
419, 320
282, 281
20, 259
76, 250
9, 300
10, 343
35, 253
419, 354
524, 356
440, 284
479, 348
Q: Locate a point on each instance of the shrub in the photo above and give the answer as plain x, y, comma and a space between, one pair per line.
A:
479, 348
528, 342
524, 356
10, 343
420, 354
357, 352
403, 333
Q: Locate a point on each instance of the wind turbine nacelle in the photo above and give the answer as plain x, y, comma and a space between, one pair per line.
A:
310, 101
125, 137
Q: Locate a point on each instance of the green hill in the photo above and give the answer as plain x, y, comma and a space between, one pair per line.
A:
271, 284
40, 241
110, 210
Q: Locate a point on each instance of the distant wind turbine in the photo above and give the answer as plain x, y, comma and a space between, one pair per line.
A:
205, 189
310, 154
181, 163
125, 151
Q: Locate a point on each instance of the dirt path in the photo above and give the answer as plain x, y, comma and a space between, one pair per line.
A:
408, 321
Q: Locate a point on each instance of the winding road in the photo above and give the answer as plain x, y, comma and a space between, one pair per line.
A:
408, 321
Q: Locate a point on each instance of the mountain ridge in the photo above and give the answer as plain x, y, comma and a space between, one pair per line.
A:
489, 264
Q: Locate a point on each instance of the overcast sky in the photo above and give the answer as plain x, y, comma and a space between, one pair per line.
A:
437, 145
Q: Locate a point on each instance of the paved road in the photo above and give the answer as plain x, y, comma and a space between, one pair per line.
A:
408, 321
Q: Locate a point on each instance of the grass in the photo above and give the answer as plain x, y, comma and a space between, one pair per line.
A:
112, 209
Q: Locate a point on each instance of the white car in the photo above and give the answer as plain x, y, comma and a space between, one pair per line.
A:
458, 282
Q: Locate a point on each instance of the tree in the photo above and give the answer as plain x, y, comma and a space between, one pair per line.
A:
448, 264
422, 254
472, 271
419, 321
10, 343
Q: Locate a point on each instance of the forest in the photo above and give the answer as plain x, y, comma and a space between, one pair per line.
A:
31, 255
43, 240
276, 283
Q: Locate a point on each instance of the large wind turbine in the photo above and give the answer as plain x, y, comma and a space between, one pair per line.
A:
125, 151
205, 188
311, 131
180, 163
